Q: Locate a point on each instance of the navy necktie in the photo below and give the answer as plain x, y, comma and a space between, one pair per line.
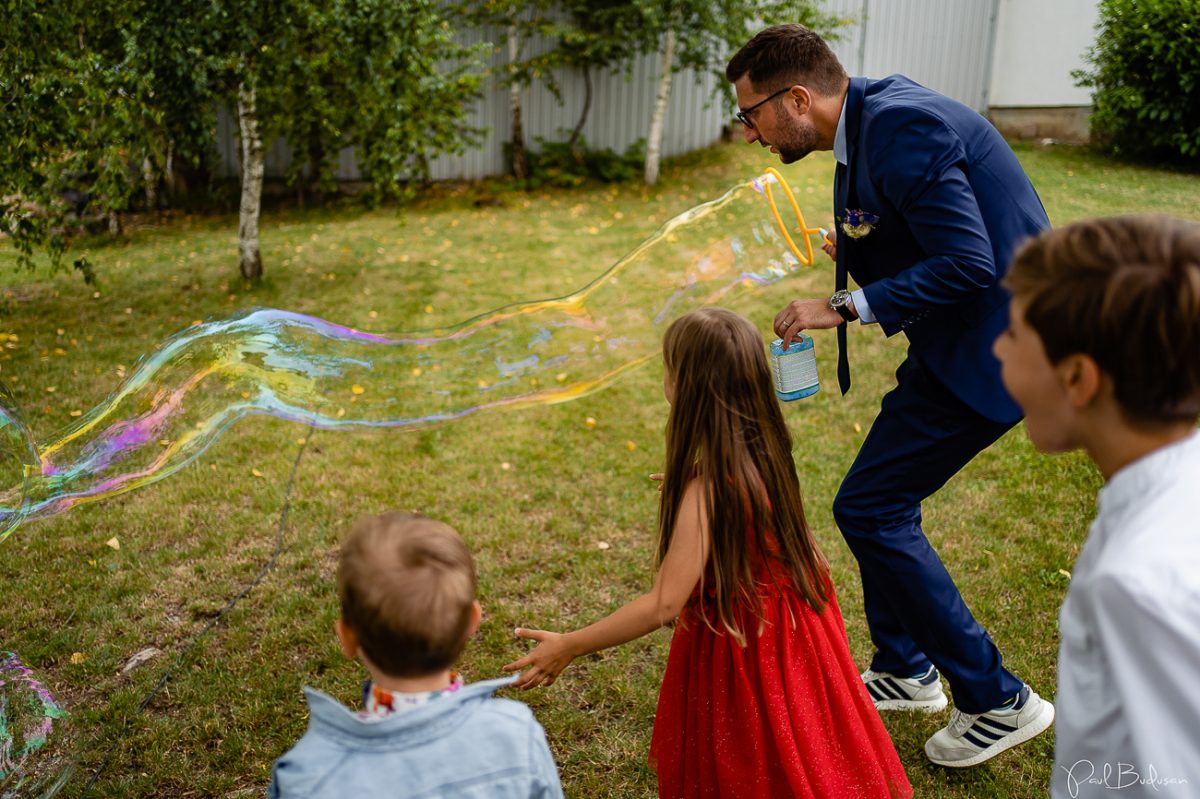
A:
840, 194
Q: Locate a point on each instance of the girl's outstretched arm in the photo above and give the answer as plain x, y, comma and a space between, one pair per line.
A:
677, 577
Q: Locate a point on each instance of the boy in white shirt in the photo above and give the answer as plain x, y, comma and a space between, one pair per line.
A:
1103, 354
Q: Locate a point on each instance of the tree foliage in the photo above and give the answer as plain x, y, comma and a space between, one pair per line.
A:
1145, 77
383, 77
100, 97
710, 32
69, 119
702, 35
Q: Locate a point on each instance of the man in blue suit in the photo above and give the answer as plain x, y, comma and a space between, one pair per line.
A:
930, 204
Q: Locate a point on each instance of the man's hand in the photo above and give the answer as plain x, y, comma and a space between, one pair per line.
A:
800, 315
829, 244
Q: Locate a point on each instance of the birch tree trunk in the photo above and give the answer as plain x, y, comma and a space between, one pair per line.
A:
519, 166
658, 118
249, 256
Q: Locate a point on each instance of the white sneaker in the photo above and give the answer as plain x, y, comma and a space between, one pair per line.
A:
970, 739
890, 692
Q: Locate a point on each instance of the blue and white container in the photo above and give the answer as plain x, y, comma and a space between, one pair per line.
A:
794, 371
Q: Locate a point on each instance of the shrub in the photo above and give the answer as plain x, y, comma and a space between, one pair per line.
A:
1145, 76
563, 165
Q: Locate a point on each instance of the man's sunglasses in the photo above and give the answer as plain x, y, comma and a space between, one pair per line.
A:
743, 114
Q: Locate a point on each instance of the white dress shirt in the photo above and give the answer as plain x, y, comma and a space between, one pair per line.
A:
1128, 721
841, 154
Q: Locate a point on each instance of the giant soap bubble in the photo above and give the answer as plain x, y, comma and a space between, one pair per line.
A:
28, 713
183, 395
179, 398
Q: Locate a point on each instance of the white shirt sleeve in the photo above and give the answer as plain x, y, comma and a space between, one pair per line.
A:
862, 307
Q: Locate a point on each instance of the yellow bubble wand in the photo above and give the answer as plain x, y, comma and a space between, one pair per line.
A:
807, 231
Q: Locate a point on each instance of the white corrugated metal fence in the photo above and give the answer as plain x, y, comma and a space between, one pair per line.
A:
944, 44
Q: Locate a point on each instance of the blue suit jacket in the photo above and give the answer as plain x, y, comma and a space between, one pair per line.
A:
953, 206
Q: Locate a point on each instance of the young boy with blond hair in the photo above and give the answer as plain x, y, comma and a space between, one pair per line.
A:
407, 589
1103, 354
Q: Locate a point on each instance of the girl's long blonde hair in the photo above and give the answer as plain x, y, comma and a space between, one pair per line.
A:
727, 427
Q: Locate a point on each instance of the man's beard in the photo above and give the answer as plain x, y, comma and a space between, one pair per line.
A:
794, 141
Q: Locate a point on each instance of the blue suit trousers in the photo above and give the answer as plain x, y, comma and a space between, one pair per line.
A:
922, 437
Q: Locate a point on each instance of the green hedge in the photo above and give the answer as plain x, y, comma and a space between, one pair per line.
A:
1145, 76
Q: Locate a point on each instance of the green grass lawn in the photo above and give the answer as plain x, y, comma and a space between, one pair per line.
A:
534, 491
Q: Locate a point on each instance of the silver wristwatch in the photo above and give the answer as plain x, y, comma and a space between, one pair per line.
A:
840, 302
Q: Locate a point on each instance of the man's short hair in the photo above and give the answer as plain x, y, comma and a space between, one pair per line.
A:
787, 55
1124, 291
407, 585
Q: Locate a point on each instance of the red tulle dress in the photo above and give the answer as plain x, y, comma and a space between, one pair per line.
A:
785, 716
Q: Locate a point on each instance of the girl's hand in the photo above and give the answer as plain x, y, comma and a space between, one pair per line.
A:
658, 478
546, 661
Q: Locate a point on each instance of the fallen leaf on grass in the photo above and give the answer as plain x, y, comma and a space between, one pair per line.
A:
140, 657
113, 543
78, 657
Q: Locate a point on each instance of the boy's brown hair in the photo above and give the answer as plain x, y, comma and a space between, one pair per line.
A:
407, 586
1124, 291
788, 55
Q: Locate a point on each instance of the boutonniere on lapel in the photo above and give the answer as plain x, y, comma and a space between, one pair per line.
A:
857, 223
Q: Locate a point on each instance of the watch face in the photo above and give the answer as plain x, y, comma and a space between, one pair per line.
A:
840, 302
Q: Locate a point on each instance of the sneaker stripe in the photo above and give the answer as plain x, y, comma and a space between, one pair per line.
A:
890, 692
984, 732
890, 683
996, 725
875, 693
981, 744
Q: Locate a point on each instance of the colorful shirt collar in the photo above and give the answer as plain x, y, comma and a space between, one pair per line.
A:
379, 703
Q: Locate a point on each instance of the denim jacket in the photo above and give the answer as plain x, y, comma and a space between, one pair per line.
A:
465, 745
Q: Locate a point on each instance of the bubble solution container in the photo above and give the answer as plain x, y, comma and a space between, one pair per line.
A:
794, 371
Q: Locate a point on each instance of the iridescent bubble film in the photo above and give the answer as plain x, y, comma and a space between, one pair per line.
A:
28, 714
196, 384
181, 397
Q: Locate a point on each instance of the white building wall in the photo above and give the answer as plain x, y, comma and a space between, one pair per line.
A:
1038, 44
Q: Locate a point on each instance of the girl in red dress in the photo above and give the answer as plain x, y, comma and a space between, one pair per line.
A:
760, 697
